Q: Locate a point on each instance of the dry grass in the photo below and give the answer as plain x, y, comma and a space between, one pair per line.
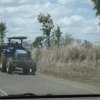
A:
75, 62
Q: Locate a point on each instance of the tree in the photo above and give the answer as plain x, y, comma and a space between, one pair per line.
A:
78, 41
97, 6
68, 39
2, 32
87, 44
38, 41
57, 35
47, 25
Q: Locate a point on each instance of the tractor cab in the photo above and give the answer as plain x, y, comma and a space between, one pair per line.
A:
12, 45
17, 38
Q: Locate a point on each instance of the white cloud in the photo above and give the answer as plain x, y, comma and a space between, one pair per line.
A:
80, 27
6, 1
72, 21
26, 1
66, 1
21, 16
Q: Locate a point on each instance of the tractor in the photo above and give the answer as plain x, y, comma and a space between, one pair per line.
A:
14, 55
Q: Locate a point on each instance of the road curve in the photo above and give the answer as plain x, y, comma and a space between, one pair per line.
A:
17, 83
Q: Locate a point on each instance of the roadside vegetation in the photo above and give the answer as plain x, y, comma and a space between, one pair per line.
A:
72, 62
61, 55
2, 35
2, 32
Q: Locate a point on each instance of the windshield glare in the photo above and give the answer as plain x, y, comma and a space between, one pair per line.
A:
61, 41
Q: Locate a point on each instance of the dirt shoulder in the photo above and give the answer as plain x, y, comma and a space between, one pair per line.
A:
91, 88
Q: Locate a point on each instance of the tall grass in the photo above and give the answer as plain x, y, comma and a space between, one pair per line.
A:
75, 62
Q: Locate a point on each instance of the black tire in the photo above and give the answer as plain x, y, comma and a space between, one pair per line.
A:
3, 64
9, 67
25, 70
33, 68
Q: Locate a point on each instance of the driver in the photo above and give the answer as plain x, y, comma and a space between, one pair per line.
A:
16, 43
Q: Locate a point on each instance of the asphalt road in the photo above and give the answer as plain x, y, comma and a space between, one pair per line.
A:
37, 84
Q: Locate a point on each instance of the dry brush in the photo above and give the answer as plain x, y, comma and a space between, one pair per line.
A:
74, 62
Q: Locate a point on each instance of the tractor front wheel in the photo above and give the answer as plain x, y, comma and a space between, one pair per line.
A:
9, 68
25, 70
33, 69
3, 65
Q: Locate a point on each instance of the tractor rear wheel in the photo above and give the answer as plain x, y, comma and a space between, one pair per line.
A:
3, 64
9, 67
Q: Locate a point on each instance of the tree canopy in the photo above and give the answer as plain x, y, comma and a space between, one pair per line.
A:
2, 32
97, 6
38, 41
57, 35
47, 25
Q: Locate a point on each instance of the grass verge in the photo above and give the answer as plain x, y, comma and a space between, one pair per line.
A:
74, 63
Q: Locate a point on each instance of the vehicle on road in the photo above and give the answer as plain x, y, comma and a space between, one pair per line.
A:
14, 55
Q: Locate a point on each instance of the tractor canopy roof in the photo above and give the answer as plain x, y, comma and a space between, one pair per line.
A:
17, 37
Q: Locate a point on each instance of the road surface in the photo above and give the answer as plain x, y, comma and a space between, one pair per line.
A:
17, 83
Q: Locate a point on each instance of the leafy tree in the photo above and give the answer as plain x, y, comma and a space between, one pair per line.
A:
38, 41
68, 39
2, 32
57, 35
78, 41
53, 42
87, 44
47, 25
97, 6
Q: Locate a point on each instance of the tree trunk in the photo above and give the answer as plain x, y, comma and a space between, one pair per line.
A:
48, 40
2, 40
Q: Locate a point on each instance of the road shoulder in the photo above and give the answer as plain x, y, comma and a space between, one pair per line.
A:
90, 88
2, 93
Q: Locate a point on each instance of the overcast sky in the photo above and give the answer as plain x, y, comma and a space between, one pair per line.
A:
76, 17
